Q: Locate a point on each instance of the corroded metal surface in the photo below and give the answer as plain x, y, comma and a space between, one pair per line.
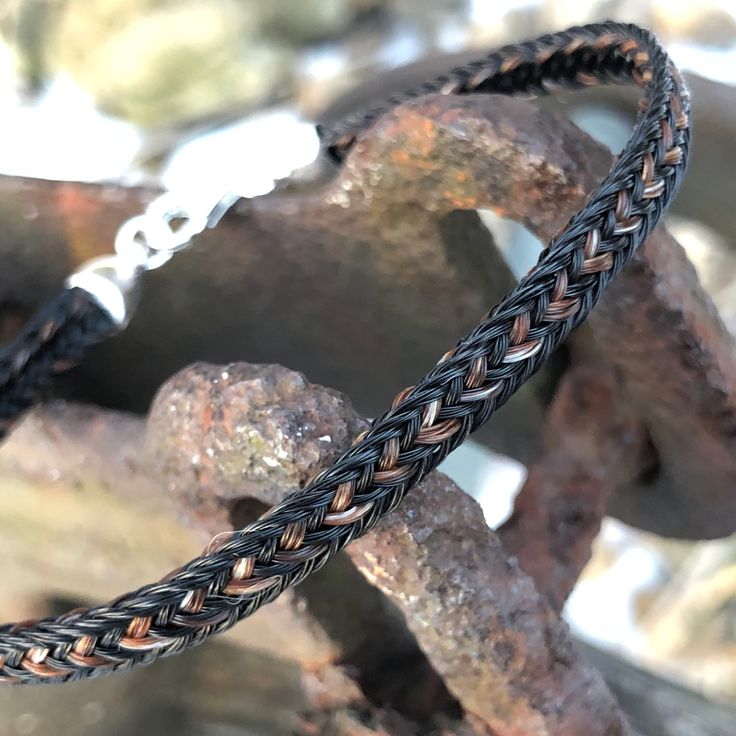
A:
678, 367
433, 156
373, 242
517, 647
499, 646
536, 168
493, 639
303, 281
70, 456
222, 433
592, 446
79, 474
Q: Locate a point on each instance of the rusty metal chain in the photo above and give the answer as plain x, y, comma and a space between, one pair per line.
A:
246, 569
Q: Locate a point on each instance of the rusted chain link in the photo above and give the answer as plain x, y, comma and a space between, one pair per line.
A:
250, 567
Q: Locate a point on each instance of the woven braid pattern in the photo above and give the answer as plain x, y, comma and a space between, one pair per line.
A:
57, 338
248, 568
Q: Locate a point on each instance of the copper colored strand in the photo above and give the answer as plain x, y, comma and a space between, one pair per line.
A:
248, 568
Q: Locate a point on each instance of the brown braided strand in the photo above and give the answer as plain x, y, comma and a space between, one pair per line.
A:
251, 567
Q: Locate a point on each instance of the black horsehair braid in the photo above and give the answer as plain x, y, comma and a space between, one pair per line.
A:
56, 339
245, 569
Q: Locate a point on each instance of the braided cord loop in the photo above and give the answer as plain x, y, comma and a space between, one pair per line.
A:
248, 568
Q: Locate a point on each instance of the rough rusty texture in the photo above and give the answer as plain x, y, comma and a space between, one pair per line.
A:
678, 365
656, 314
535, 167
591, 446
350, 298
78, 474
63, 480
83, 460
230, 441
706, 194
440, 153
373, 243
497, 644
219, 434
524, 163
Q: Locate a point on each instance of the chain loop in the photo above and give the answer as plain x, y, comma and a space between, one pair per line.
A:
143, 243
148, 241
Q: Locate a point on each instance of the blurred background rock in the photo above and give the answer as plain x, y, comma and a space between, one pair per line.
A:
113, 89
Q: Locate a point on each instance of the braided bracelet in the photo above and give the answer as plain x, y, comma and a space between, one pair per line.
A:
245, 569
